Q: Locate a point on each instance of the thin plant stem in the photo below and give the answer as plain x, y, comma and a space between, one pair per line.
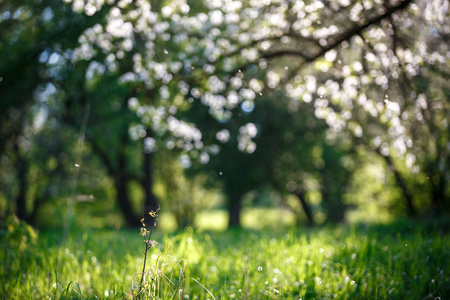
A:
148, 245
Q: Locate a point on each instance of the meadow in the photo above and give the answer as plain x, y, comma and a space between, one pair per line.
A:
405, 260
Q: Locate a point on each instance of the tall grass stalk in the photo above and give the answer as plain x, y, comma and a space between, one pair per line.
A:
77, 170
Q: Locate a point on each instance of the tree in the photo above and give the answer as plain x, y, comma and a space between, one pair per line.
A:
363, 71
35, 35
235, 161
303, 158
132, 54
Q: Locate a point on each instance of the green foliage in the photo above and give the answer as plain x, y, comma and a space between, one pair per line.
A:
403, 260
184, 196
20, 236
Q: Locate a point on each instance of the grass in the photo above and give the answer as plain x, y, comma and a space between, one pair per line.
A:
217, 219
400, 261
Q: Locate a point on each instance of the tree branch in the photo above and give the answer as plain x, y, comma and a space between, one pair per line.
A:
346, 36
333, 42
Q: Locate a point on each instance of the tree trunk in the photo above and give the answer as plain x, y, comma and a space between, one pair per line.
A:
438, 195
331, 198
121, 185
31, 218
301, 197
22, 170
402, 184
234, 211
117, 172
150, 203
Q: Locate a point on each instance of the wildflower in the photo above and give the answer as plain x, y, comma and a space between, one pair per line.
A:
152, 243
143, 231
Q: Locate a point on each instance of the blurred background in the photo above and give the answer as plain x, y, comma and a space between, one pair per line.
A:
258, 113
